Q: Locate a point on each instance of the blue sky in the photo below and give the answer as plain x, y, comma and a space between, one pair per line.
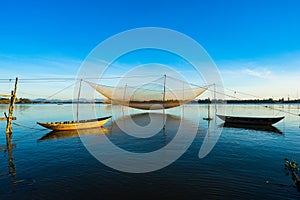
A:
255, 44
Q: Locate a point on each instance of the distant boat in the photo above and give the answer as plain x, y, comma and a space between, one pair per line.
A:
250, 120
75, 125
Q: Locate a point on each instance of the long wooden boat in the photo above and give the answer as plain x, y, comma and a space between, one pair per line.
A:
75, 125
250, 120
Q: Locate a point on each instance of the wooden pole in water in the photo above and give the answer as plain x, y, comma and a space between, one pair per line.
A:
215, 98
298, 101
208, 110
164, 97
124, 95
11, 109
78, 97
11, 165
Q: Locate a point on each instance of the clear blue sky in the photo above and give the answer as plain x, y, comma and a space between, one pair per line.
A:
255, 44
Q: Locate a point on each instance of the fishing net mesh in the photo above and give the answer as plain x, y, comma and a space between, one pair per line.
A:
162, 93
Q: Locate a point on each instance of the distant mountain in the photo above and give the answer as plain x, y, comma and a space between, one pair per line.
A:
45, 100
38, 99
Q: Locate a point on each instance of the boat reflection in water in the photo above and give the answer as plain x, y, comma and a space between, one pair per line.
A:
146, 125
55, 135
150, 133
145, 119
266, 128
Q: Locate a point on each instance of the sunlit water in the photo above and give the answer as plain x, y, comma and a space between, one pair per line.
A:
244, 164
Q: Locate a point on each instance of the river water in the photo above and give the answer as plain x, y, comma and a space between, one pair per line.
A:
244, 163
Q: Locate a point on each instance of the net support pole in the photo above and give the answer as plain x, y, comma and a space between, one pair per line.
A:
208, 118
208, 109
215, 98
78, 98
10, 112
124, 95
164, 96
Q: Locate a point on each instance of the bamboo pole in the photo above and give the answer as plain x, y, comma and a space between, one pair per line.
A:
208, 111
164, 96
10, 112
78, 97
11, 164
124, 95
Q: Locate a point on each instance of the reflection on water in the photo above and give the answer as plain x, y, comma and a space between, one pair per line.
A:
143, 142
145, 122
11, 164
55, 135
267, 128
242, 165
145, 132
141, 123
12, 174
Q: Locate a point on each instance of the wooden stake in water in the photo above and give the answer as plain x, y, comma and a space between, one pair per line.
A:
208, 111
11, 109
215, 98
124, 95
78, 97
164, 96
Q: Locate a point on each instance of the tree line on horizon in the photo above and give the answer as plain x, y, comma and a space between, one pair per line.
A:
200, 101
269, 100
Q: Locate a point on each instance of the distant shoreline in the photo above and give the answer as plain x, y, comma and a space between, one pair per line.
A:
253, 101
200, 101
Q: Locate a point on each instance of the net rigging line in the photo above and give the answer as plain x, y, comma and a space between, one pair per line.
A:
235, 91
61, 90
27, 127
155, 85
280, 110
31, 95
226, 95
21, 137
34, 127
184, 82
128, 87
38, 80
70, 78
154, 82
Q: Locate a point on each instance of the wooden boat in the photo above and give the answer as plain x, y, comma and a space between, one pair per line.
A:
75, 125
250, 120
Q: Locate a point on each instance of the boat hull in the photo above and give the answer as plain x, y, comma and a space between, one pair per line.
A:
250, 120
75, 125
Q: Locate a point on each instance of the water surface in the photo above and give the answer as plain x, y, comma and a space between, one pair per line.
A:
245, 163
